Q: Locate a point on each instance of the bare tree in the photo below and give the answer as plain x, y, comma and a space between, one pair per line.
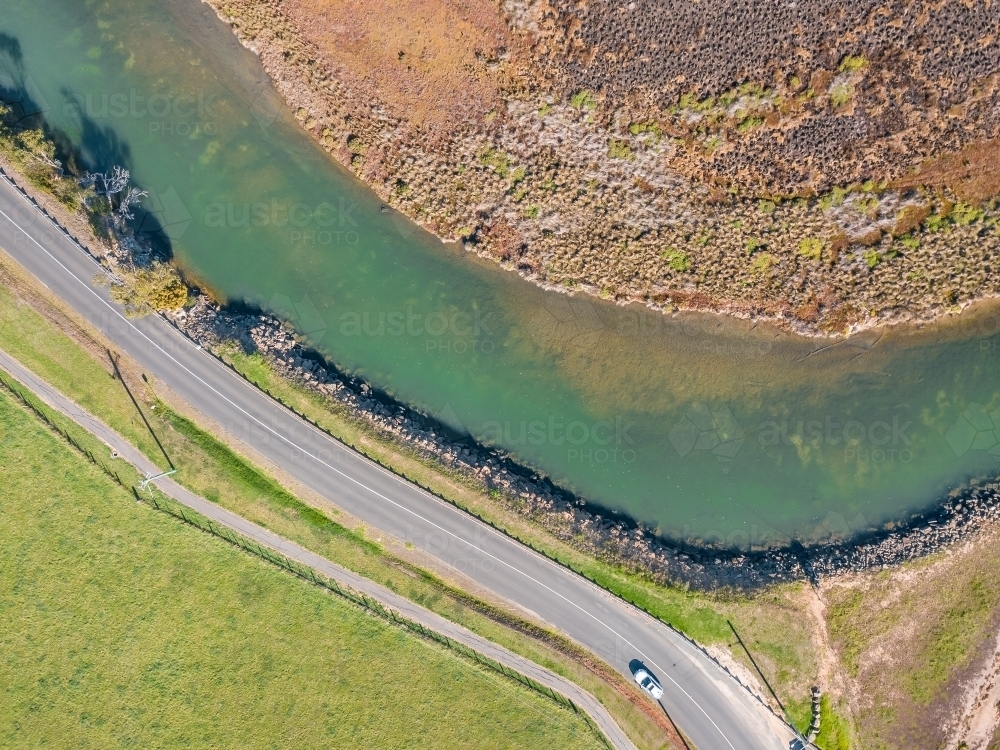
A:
131, 198
107, 183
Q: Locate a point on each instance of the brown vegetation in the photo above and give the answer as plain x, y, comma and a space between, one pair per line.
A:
973, 174
573, 143
438, 64
864, 89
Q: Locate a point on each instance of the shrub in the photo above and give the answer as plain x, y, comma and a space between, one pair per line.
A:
677, 260
936, 222
498, 161
834, 198
871, 258
583, 100
812, 248
762, 263
909, 242
853, 63
356, 146
841, 94
767, 207
754, 245
712, 143
963, 214
649, 126
531, 212
749, 123
145, 290
619, 149
910, 217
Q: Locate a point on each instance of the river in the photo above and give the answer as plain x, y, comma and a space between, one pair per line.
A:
706, 428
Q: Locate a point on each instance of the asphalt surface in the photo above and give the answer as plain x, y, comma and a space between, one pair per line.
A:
402, 606
708, 704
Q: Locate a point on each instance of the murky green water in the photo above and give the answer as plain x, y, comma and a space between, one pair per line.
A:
708, 428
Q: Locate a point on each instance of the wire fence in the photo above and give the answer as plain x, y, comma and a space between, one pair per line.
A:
375, 607
77, 436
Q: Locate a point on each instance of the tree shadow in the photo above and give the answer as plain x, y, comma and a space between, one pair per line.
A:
93, 148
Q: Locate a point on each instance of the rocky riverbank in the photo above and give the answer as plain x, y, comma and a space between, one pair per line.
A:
569, 518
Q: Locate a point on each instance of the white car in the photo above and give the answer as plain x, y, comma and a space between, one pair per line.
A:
648, 683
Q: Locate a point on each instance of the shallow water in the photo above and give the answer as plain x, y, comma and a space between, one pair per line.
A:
707, 428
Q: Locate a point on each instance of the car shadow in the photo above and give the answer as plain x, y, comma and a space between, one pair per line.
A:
636, 664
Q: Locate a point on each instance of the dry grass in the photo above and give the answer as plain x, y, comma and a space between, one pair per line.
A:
911, 639
434, 63
972, 173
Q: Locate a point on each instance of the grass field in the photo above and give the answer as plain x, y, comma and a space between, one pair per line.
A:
35, 332
125, 628
911, 637
769, 624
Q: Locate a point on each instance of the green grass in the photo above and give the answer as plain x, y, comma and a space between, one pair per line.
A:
812, 248
677, 260
618, 149
213, 470
498, 161
951, 642
911, 638
125, 628
583, 100
853, 63
834, 729
841, 94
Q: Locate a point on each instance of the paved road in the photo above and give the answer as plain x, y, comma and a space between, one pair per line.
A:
387, 598
707, 703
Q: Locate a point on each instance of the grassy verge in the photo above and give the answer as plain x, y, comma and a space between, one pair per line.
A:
835, 728
34, 328
770, 622
124, 627
912, 638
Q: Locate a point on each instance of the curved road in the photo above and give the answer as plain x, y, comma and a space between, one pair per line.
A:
712, 709
387, 598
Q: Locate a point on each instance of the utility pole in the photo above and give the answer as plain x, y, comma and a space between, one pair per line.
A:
788, 719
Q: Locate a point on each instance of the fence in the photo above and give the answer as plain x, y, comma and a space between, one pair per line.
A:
192, 518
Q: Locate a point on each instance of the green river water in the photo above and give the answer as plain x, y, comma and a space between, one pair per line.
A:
707, 428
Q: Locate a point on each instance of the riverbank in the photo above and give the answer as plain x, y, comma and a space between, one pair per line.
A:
590, 529
575, 190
